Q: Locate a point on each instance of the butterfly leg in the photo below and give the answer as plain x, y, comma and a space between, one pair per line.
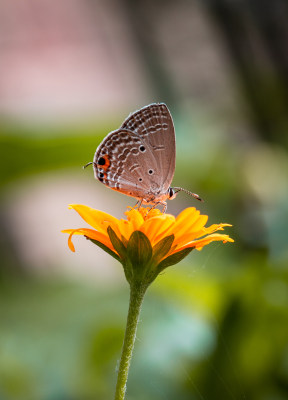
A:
162, 203
138, 204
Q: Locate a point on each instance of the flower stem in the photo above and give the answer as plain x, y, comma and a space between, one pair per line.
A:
137, 292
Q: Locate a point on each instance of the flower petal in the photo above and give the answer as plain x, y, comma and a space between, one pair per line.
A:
91, 234
213, 228
194, 228
198, 244
97, 219
184, 222
155, 228
135, 218
125, 228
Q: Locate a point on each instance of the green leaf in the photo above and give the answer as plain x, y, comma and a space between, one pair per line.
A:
139, 249
105, 248
161, 248
116, 243
174, 258
124, 240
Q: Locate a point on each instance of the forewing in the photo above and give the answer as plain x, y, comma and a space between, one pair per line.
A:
154, 125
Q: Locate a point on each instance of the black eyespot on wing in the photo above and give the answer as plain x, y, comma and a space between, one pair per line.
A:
150, 172
140, 179
101, 161
101, 179
142, 148
101, 175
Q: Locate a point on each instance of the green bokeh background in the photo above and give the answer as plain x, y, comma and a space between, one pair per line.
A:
214, 326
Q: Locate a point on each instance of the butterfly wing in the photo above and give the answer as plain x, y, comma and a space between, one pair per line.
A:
139, 158
154, 125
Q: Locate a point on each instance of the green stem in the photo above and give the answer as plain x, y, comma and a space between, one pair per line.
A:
137, 293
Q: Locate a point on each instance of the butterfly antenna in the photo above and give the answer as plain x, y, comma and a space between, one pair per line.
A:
179, 189
86, 165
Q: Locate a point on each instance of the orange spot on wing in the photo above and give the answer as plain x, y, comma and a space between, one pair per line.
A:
107, 163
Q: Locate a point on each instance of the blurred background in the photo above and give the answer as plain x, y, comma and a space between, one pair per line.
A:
214, 326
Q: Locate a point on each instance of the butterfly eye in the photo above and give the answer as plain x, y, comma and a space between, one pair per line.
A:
171, 193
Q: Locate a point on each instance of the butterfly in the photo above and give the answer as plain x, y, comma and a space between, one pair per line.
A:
138, 159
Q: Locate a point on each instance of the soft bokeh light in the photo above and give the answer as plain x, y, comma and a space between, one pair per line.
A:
71, 71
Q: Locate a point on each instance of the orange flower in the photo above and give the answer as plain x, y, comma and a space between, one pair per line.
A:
160, 238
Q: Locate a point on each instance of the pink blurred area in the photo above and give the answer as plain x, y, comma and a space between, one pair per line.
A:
66, 58
77, 58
